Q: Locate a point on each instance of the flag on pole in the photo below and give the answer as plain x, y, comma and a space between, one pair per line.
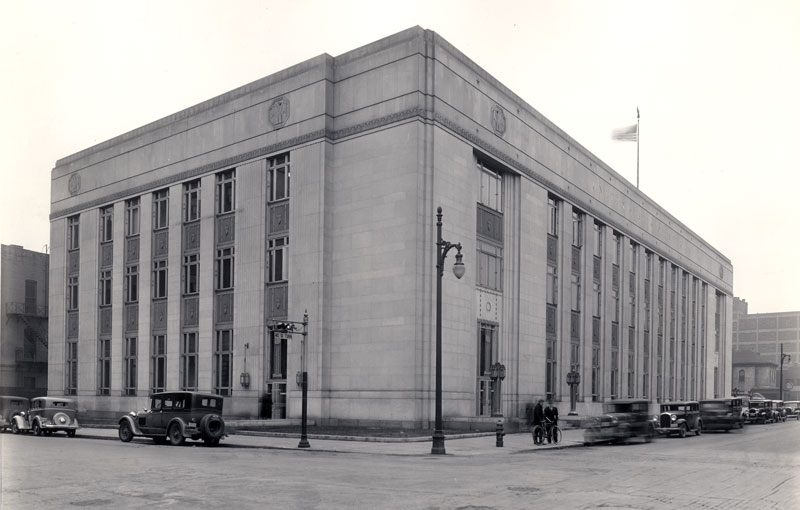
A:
626, 134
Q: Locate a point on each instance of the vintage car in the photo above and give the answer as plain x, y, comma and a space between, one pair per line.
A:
175, 416
679, 418
760, 411
792, 409
10, 407
46, 415
722, 414
621, 420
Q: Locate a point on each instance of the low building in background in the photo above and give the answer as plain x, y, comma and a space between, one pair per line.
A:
23, 328
177, 247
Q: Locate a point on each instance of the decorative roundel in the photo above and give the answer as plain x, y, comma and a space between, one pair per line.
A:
279, 112
498, 120
74, 185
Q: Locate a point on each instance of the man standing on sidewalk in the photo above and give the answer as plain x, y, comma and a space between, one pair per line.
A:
538, 419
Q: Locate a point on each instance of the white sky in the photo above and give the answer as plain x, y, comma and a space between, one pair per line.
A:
717, 82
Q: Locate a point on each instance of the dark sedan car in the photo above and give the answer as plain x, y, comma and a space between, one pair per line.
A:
175, 416
622, 420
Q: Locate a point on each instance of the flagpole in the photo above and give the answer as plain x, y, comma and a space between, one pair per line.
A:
637, 147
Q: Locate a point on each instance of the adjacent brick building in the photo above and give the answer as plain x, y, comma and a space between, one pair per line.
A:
23, 328
315, 189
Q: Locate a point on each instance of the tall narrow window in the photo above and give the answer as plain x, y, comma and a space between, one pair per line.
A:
132, 283
277, 361
226, 192
71, 368
552, 217
72, 293
279, 177
224, 269
160, 209
278, 259
487, 340
191, 271
158, 364
223, 362
491, 188
132, 217
159, 279
106, 224
550, 369
490, 266
129, 367
73, 233
191, 201
189, 362
104, 366
105, 288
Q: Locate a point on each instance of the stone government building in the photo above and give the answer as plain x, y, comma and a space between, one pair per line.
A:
315, 189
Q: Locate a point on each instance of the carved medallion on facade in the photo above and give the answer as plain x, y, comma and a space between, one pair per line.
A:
279, 112
498, 120
74, 185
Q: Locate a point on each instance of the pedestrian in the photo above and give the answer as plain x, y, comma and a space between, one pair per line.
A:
551, 419
538, 418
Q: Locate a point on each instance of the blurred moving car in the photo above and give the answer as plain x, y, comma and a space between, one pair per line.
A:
47, 415
678, 418
9, 407
722, 413
778, 410
175, 416
622, 420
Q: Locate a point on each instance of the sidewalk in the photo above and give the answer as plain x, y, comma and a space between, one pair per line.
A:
465, 445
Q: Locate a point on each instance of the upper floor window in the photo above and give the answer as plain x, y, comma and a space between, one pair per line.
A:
490, 266
552, 216
598, 239
491, 192
132, 217
161, 209
191, 273
278, 259
191, 201
73, 233
224, 269
279, 177
105, 288
106, 224
159, 279
226, 191
577, 229
617, 248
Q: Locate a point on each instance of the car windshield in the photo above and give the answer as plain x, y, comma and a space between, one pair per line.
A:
673, 407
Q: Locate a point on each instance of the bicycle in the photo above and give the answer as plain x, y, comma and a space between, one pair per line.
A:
550, 431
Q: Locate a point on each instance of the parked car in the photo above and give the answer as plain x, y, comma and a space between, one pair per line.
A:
679, 418
722, 413
10, 407
47, 415
621, 420
760, 411
175, 416
792, 409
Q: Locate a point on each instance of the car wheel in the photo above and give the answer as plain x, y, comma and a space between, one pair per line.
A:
175, 436
37, 430
741, 425
699, 429
682, 430
14, 428
125, 432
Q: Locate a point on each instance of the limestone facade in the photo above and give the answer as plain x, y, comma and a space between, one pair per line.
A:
338, 165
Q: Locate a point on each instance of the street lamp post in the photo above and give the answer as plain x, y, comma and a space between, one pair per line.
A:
290, 327
442, 247
783, 357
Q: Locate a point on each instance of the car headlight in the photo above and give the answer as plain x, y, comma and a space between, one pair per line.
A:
673, 417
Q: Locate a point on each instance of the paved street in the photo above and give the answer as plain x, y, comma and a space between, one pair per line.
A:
758, 467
